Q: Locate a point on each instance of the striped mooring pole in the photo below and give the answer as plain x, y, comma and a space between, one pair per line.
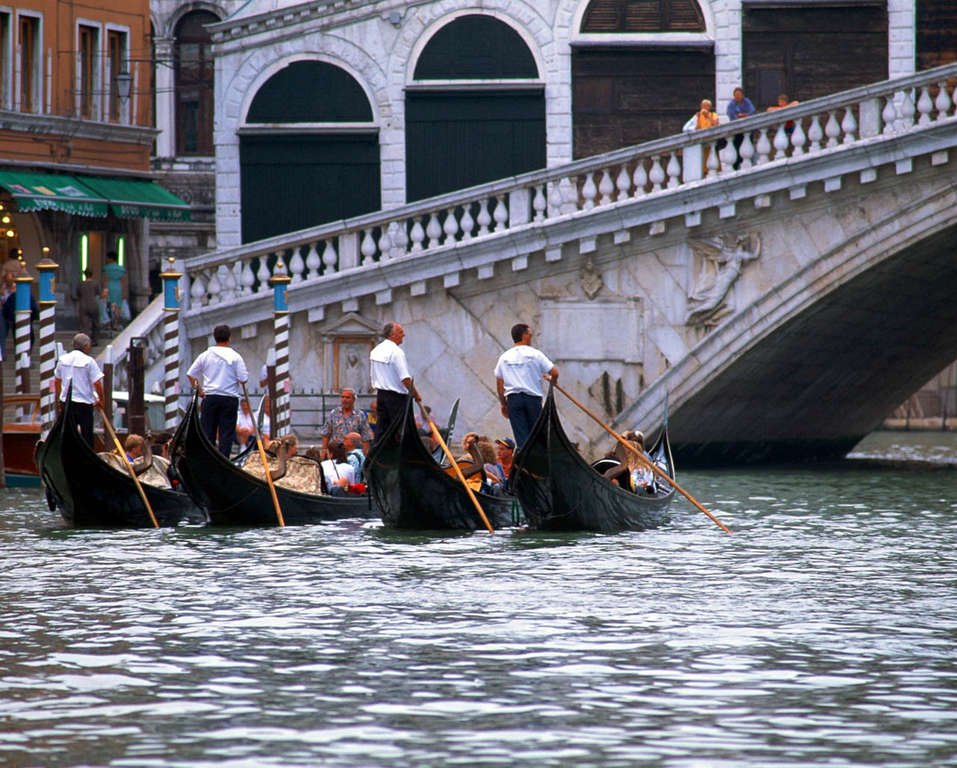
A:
171, 343
280, 282
22, 333
47, 269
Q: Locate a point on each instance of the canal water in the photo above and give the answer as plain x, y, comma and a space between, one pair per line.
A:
821, 632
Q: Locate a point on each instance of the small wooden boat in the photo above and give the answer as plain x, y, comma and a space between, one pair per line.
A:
412, 491
21, 431
559, 491
90, 493
231, 496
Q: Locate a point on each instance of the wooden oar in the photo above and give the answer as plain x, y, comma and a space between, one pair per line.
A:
654, 467
129, 466
458, 470
265, 461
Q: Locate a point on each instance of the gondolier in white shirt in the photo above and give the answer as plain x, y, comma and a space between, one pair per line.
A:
390, 376
80, 369
518, 379
218, 374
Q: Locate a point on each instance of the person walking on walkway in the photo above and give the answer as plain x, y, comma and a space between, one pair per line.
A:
390, 376
218, 374
519, 375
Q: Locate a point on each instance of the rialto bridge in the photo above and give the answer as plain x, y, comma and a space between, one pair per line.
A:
781, 309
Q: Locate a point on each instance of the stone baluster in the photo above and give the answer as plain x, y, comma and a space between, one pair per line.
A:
832, 129
713, 163
674, 171
729, 156
623, 183
589, 192
889, 116
329, 257
605, 188
763, 147
798, 138
297, 265
399, 238
247, 279
539, 203
815, 134
417, 234
197, 290
657, 174
433, 230
746, 151
467, 224
313, 262
170, 344
568, 187
849, 126
263, 274
484, 219
214, 287
500, 214
367, 248
385, 242
925, 105
640, 178
907, 110
942, 102
781, 142
450, 227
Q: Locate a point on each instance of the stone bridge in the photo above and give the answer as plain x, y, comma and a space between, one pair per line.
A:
782, 309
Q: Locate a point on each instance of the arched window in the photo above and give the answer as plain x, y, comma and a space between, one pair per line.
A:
308, 151
643, 16
193, 62
458, 135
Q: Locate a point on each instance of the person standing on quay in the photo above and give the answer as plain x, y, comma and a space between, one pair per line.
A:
218, 374
518, 379
80, 369
391, 379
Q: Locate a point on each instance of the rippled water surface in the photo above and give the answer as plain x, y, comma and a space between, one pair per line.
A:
822, 632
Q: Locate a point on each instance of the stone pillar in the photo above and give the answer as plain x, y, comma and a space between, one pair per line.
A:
47, 268
171, 343
281, 413
22, 333
165, 98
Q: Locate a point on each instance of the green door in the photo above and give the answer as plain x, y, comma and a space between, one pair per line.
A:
295, 181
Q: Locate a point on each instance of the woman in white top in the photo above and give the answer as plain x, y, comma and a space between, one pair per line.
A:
338, 472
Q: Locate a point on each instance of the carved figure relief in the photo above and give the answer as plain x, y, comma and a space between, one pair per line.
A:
591, 279
722, 259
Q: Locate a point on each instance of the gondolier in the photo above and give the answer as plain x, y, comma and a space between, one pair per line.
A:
80, 369
218, 374
518, 380
390, 376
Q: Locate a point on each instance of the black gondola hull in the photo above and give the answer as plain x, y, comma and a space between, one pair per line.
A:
411, 491
559, 491
89, 493
233, 497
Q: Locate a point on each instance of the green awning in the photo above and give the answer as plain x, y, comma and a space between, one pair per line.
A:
134, 199
52, 192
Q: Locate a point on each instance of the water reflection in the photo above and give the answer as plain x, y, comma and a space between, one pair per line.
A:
820, 632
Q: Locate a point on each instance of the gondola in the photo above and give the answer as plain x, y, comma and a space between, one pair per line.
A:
412, 491
90, 493
233, 497
559, 491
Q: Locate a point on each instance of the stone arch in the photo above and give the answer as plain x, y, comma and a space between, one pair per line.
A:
180, 11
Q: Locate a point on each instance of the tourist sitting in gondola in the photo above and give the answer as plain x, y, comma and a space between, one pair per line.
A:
287, 470
472, 464
631, 472
338, 472
149, 468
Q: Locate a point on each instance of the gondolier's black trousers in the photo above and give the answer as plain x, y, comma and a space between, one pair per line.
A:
523, 410
83, 413
219, 416
390, 406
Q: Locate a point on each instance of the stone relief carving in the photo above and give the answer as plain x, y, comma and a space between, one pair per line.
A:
591, 279
722, 259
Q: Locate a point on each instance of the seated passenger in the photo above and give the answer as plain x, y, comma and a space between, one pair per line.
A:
287, 470
494, 477
245, 425
338, 473
632, 473
471, 466
354, 455
148, 468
